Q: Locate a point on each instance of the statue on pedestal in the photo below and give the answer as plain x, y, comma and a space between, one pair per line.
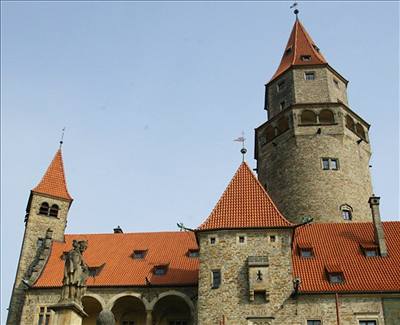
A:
76, 272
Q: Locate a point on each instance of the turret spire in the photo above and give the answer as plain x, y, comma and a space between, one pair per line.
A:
300, 50
53, 182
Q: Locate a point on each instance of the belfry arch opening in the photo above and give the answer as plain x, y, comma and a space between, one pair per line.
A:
326, 117
308, 117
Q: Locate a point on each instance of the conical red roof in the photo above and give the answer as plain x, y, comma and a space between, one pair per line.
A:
53, 182
244, 204
300, 50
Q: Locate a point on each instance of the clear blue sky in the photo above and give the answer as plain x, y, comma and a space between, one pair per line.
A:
152, 95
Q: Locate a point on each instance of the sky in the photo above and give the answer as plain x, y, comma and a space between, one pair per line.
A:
152, 95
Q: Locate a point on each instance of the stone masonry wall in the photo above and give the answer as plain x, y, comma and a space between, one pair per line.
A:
35, 228
291, 169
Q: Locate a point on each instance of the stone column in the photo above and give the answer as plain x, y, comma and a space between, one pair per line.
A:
149, 317
68, 313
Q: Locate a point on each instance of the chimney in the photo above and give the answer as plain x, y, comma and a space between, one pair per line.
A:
378, 228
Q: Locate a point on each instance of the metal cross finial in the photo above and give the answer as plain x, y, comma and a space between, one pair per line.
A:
62, 137
242, 139
296, 11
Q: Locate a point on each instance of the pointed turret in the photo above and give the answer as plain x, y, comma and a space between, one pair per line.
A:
244, 204
53, 182
299, 51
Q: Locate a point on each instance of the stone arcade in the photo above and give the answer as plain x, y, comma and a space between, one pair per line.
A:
301, 243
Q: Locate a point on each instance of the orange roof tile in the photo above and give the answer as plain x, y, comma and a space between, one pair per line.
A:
53, 182
337, 247
244, 204
299, 44
120, 268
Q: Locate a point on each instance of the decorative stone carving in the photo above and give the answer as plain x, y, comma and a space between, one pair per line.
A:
105, 317
258, 276
76, 272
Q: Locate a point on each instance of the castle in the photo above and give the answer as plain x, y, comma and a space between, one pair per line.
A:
301, 243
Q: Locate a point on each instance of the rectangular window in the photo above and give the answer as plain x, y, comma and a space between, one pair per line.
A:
280, 86
336, 278
346, 214
367, 322
213, 240
216, 279
309, 75
330, 163
160, 270
282, 105
193, 253
306, 253
139, 254
305, 58
313, 322
272, 239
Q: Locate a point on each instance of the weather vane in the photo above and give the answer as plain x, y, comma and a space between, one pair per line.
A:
62, 137
242, 139
296, 11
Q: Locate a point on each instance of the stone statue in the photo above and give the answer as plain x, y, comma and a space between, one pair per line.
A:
76, 273
105, 317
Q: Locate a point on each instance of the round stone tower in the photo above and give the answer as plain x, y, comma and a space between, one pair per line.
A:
313, 152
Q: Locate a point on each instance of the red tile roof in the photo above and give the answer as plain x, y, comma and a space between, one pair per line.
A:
120, 268
244, 204
336, 247
53, 182
299, 44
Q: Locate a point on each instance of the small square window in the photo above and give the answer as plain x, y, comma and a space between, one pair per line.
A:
305, 58
216, 279
272, 239
325, 163
335, 277
313, 322
309, 75
334, 164
242, 239
281, 85
282, 105
213, 240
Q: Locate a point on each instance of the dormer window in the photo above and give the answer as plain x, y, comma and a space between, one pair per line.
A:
193, 253
280, 86
160, 269
305, 250
316, 47
305, 58
44, 209
54, 211
139, 254
288, 50
369, 249
334, 273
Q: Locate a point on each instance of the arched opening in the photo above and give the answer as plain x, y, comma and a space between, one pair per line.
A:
308, 117
54, 210
326, 117
360, 131
269, 133
129, 310
346, 211
92, 307
44, 208
172, 310
283, 124
349, 123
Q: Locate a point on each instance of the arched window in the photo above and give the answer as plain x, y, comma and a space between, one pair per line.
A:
283, 124
44, 208
360, 130
326, 117
54, 210
308, 117
346, 211
349, 123
269, 133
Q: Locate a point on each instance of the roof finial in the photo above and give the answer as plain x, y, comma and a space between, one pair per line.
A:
242, 139
296, 11
62, 137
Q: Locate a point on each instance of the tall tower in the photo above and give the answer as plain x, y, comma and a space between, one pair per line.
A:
45, 221
313, 151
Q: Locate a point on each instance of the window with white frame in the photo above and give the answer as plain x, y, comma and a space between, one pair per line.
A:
309, 75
